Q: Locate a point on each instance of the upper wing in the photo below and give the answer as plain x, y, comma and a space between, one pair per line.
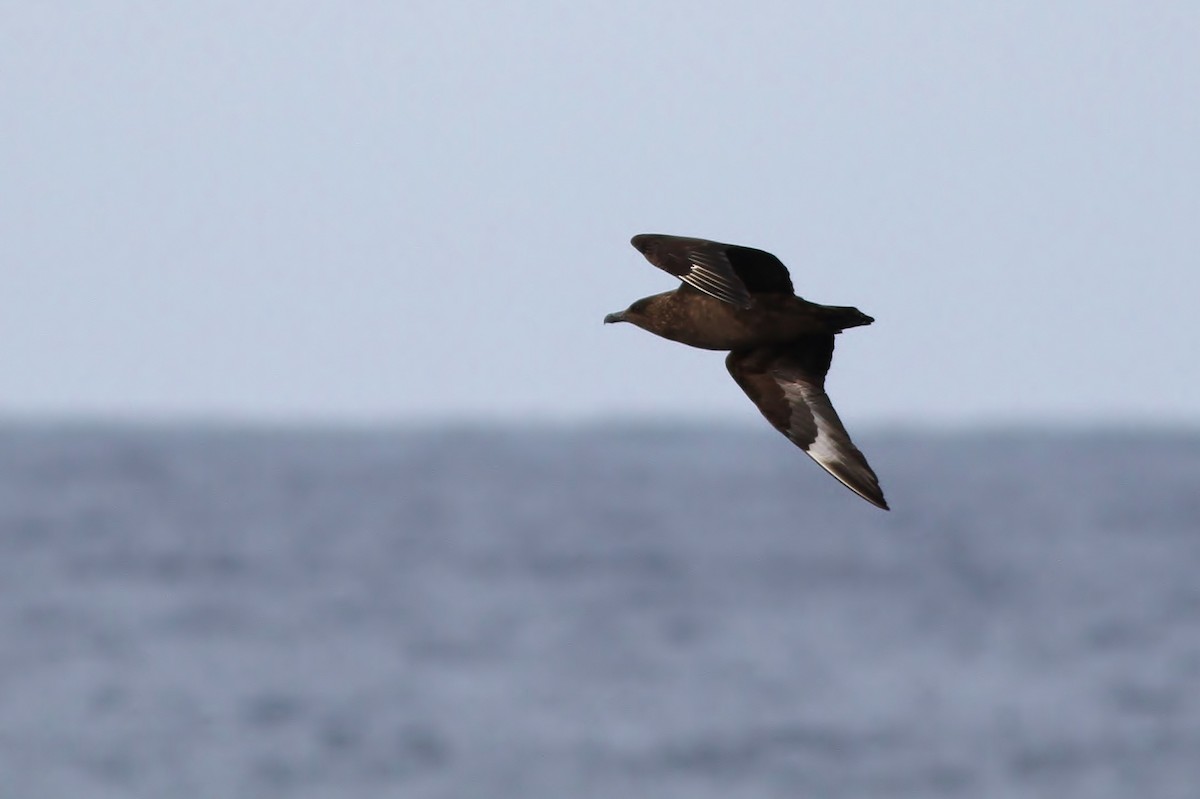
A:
788, 385
725, 271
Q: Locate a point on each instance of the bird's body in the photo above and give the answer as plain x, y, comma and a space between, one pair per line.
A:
741, 299
699, 320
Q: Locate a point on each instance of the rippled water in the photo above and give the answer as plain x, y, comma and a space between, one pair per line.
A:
596, 612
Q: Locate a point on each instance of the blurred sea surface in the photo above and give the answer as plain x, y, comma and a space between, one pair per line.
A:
604, 611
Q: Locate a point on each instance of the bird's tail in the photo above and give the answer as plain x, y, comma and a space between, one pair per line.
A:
845, 316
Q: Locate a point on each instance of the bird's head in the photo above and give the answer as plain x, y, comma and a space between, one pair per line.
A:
634, 314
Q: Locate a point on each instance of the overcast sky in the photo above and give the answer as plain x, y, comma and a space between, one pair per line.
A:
421, 210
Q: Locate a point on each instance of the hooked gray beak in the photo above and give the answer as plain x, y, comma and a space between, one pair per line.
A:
619, 316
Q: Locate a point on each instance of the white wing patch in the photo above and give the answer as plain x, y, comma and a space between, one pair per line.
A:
831, 446
712, 274
806, 409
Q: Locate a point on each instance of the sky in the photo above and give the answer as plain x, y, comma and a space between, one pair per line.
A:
419, 211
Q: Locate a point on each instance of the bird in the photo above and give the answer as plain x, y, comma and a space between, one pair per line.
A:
741, 299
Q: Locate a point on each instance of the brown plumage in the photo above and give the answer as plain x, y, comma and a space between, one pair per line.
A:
741, 299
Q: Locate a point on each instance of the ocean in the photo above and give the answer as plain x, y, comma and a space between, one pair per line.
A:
595, 611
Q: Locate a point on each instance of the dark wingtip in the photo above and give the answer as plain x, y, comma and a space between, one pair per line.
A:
867, 489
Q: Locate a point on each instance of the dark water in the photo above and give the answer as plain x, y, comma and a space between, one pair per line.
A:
596, 613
